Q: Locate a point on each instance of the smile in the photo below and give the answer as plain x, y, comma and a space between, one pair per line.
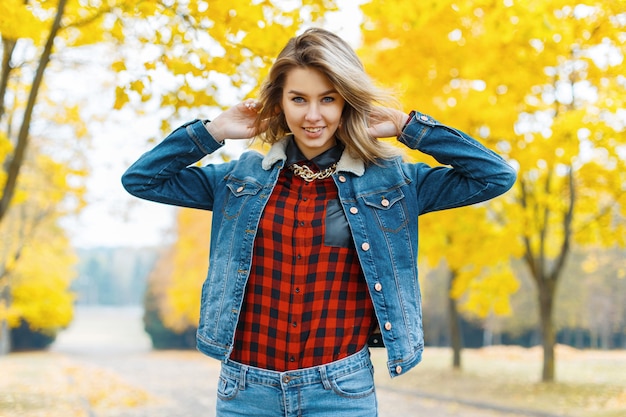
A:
313, 129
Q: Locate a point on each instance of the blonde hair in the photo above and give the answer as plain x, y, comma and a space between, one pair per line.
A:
332, 56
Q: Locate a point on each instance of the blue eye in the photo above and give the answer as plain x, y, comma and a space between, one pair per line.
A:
297, 100
328, 99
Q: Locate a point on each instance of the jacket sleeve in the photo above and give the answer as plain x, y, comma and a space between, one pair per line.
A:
471, 172
164, 174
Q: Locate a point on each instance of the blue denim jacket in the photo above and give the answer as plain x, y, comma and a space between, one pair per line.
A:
381, 202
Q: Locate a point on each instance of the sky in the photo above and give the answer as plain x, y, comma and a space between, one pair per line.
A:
113, 217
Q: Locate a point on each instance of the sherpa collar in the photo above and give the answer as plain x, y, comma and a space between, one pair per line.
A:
347, 162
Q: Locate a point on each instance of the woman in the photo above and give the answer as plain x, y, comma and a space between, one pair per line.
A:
314, 245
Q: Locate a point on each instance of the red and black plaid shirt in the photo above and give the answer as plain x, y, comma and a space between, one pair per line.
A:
306, 302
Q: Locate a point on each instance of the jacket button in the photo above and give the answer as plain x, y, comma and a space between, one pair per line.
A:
354, 210
240, 189
398, 369
385, 202
365, 246
378, 286
388, 326
342, 178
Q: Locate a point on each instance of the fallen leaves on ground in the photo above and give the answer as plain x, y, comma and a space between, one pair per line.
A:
33, 385
589, 383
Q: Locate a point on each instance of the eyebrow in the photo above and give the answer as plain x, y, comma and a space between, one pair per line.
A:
325, 93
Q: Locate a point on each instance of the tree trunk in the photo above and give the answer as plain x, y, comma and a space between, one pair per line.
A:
15, 161
547, 278
8, 46
548, 334
456, 338
5, 331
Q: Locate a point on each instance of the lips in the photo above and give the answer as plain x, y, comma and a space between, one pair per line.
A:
313, 129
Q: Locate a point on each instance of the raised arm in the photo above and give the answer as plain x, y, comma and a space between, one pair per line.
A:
471, 172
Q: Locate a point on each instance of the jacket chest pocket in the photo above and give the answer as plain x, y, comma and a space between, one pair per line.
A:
239, 194
389, 207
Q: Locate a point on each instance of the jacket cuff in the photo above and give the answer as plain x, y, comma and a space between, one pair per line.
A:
199, 134
418, 126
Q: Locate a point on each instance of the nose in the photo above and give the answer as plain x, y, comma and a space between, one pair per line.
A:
313, 113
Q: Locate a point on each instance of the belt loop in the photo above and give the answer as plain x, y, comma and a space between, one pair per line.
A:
324, 376
242, 377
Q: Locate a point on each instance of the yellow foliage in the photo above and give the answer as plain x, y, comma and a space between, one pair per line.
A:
118, 66
121, 98
36, 258
181, 66
489, 292
205, 45
137, 86
17, 21
527, 80
147, 8
117, 31
40, 291
181, 307
6, 146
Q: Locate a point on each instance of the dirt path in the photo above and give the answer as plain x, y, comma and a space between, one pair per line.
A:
183, 383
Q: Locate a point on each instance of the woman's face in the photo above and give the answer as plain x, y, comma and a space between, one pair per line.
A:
312, 110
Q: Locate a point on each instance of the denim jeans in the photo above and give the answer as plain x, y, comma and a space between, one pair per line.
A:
344, 388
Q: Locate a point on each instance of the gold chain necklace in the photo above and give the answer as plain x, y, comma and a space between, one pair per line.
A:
308, 175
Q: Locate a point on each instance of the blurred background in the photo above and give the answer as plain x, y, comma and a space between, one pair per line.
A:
86, 86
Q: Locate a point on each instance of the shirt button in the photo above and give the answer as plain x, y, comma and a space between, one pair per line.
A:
342, 178
385, 202
240, 189
398, 369
378, 286
354, 210
388, 326
365, 246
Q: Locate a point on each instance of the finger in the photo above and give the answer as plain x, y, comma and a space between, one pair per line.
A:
252, 105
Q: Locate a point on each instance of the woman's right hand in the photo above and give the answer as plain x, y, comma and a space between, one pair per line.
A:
235, 123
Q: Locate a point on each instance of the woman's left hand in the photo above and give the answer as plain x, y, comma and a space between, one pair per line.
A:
385, 123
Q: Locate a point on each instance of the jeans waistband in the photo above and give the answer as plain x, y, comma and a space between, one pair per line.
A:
314, 375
